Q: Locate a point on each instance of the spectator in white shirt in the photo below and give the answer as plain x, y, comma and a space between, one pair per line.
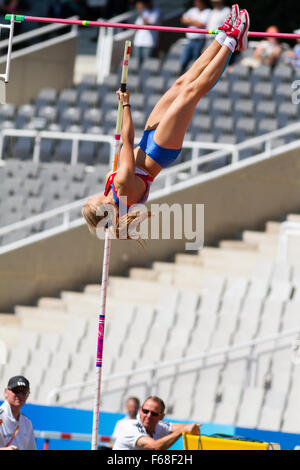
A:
132, 408
196, 17
16, 431
218, 15
149, 431
145, 41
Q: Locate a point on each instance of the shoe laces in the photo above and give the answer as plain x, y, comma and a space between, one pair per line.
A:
237, 22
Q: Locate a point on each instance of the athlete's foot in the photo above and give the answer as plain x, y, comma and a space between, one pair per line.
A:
240, 29
231, 18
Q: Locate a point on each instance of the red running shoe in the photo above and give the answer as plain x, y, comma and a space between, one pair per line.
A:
231, 18
240, 29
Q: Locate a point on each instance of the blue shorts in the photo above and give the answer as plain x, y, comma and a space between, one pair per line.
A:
164, 157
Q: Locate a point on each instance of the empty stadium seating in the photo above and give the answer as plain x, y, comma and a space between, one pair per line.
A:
240, 294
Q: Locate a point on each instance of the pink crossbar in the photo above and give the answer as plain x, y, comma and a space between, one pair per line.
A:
171, 29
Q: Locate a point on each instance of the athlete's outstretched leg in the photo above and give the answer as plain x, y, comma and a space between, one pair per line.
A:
192, 74
171, 130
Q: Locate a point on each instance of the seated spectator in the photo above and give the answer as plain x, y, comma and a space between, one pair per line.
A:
266, 53
292, 57
149, 431
196, 17
132, 408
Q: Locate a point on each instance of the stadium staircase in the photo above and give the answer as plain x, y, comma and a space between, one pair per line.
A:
211, 302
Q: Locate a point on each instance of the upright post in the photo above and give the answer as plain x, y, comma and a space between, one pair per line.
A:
106, 257
11, 28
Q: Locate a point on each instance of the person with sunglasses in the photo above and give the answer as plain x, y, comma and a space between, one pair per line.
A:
16, 431
149, 431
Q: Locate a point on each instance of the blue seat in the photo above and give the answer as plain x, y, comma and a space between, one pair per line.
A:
110, 83
63, 151
221, 107
7, 112
267, 125
200, 123
204, 105
47, 150
154, 85
282, 74
221, 89
23, 148
241, 90
243, 108
287, 112
88, 82
70, 116
89, 99
283, 93
150, 67
151, 101
261, 74
265, 109
24, 114
46, 97
87, 152
245, 128
48, 112
223, 125
239, 73
170, 68
263, 91
92, 117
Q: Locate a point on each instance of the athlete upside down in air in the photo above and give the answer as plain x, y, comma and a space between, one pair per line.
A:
167, 124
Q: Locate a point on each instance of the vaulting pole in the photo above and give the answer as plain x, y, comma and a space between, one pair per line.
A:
106, 257
20, 18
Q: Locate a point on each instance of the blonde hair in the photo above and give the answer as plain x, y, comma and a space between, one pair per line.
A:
89, 212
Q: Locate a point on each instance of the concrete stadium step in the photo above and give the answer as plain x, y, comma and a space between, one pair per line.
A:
80, 303
135, 290
143, 273
190, 260
273, 227
10, 335
253, 236
195, 276
51, 303
8, 319
181, 273
10, 329
293, 218
238, 245
42, 320
230, 261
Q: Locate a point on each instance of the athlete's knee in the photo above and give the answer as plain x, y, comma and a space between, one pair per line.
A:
190, 91
178, 84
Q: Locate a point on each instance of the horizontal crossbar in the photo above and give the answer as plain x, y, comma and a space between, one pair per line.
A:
171, 29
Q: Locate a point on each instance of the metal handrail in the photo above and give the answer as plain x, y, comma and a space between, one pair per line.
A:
176, 362
167, 175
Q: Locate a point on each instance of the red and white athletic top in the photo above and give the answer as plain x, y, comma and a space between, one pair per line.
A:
141, 173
